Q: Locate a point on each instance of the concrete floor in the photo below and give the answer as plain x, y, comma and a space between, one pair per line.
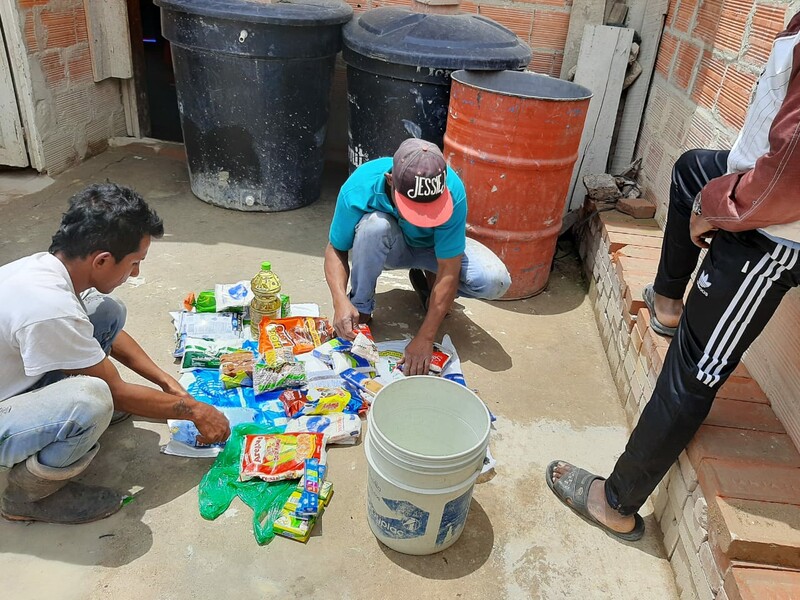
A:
538, 363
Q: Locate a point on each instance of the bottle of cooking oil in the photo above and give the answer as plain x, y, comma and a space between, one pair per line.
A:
266, 288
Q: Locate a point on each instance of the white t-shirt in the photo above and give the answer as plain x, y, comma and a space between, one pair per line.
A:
43, 324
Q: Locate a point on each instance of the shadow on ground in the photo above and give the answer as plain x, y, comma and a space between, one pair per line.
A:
129, 459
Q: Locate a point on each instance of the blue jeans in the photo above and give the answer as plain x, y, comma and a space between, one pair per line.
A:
61, 417
379, 245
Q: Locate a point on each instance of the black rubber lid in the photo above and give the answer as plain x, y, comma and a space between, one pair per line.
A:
281, 12
398, 35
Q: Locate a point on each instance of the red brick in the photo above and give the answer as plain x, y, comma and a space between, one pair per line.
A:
79, 65
31, 41
468, 8
766, 483
358, 6
59, 28
734, 96
731, 25
641, 252
559, 3
616, 219
518, 21
701, 132
707, 20
744, 415
635, 267
741, 371
684, 15
53, 69
549, 30
762, 584
638, 208
767, 23
754, 447
31, 3
742, 388
543, 62
82, 27
761, 532
709, 81
688, 54
666, 52
617, 241
635, 283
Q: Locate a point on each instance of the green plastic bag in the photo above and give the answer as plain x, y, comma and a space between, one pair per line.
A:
221, 484
205, 302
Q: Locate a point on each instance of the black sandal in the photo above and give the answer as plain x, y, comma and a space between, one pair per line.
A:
420, 284
573, 491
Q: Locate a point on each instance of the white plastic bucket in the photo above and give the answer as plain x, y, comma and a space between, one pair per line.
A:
425, 444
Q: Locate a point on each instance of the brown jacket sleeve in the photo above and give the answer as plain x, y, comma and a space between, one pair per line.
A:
769, 193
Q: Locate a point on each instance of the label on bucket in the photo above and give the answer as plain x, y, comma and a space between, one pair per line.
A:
454, 517
403, 520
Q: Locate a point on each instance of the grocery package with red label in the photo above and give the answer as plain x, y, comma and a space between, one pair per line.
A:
275, 457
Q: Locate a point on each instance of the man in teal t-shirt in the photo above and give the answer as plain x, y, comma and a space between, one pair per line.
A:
407, 212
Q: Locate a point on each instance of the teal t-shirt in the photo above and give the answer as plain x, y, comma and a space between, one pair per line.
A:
365, 192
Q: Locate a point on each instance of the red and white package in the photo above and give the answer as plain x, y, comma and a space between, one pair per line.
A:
280, 456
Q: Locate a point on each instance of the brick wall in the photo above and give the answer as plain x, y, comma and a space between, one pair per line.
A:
542, 24
74, 115
710, 56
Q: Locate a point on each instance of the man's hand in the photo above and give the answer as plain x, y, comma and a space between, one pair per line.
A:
417, 357
345, 317
700, 230
212, 424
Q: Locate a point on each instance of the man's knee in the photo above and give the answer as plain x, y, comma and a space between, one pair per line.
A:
374, 227
94, 404
489, 283
109, 314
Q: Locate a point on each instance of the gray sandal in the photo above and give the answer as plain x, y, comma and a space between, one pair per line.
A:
649, 297
573, 491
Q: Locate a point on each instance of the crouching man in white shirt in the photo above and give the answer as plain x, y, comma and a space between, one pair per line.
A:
58, 389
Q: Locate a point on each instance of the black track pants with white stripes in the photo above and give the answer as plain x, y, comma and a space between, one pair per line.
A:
739, 285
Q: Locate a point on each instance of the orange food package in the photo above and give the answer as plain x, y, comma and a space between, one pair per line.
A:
276, 457
301, 334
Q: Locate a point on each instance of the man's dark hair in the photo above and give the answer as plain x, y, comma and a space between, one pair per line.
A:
105, 217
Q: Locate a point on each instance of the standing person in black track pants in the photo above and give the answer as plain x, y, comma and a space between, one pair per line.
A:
747, 202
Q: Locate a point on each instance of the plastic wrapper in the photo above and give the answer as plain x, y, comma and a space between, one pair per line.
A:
293, 402
365, 384
184, 434
324, 401
232, 295
204, 302
338, 428
221, 485
308, 505
343, 361
278, 371
300, 334
365, 348
326, 351
236, 369
277, 457
205, 354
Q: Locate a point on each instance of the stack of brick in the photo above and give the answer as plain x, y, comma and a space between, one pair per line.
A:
74, 115
729, 508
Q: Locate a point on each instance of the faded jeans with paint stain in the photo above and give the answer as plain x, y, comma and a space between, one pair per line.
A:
379, 245
60, 418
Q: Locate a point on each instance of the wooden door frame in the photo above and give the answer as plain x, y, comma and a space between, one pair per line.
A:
20, 71
136, 89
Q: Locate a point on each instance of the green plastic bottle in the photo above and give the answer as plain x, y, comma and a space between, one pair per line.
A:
266, 288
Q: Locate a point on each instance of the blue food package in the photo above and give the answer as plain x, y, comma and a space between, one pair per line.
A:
308, 506
185, 432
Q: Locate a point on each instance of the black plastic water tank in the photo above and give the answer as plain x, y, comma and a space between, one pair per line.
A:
253, 82
398, 73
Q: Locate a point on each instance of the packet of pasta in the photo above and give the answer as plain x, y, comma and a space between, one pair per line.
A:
301, 334
276, 457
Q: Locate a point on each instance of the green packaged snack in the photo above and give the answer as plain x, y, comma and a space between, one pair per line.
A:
286, 306
206, 354
205, 302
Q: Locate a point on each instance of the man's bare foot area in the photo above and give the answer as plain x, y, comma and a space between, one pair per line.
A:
668, 310
598, 507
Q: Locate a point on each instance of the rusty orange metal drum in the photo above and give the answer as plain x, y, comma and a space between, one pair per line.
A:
513, 137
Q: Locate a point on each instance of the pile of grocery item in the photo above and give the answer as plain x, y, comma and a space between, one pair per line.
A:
290, 389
